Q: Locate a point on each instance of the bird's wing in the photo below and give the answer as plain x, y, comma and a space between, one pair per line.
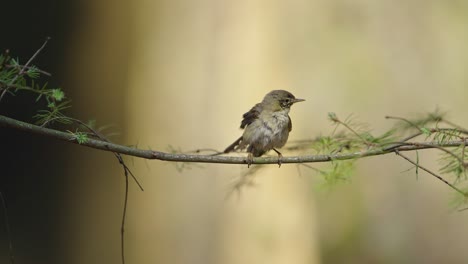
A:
248, 118
251, 115
289, 124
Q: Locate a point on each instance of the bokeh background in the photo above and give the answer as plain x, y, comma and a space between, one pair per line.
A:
179, 75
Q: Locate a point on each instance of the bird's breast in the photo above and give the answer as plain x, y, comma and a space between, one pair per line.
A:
270, 130
280, 121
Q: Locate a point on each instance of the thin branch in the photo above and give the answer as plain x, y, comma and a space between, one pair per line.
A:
394, 145
21, 87
127, 171
25, 67
158, 155
124, 216
9, 66
459, 128
117, 155
404, 120
441, 148
430, 172
338, 121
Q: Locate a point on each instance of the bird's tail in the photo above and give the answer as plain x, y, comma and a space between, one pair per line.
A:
233, 146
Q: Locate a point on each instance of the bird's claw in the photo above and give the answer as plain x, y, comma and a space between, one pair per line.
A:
280, 159
249, 160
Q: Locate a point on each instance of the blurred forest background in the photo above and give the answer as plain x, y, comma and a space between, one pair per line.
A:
179, 74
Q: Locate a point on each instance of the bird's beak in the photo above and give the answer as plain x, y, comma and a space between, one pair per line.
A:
297, 100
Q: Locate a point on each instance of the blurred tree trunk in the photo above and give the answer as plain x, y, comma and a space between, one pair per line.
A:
196, 68
98, 56
181, 73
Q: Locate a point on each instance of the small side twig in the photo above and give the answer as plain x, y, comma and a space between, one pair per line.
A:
335, 119
29, 67
25, 66
124, 216
460, 160
459, 128
406, 121
430, 172
127, 171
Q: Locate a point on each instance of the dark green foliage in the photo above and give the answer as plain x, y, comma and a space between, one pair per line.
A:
15, 78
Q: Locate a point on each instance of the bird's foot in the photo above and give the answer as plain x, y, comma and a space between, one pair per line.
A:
249, 160
280, 157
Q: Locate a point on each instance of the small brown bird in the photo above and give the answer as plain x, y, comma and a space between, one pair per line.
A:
267, 125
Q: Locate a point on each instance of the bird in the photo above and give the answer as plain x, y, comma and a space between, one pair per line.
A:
266, 126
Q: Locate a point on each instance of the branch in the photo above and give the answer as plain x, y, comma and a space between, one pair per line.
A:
158, 155
26, 66
432, 173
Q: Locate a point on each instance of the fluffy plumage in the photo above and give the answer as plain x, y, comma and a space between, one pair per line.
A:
267, 125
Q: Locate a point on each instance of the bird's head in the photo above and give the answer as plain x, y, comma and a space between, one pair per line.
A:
280, 100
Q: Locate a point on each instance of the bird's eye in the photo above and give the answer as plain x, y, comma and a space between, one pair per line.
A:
286, 102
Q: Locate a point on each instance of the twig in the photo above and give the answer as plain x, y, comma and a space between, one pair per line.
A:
404, 120
461, 129
394, 145
124, 216
25, 67
460, 160
127, 171
457, 127
29, 67
430, 172
117, 155
353, 131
